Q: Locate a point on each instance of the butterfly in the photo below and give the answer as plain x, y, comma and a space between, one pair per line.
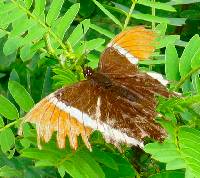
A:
116, 99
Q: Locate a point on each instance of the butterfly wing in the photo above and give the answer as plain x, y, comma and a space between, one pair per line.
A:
119, 64
82, 108
87, 106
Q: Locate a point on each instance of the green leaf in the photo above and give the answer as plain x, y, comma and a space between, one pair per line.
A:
102, 31
54, 11
6, 7
167, 40
28, 3
7, 139
34, 34
11, 17
25, 142
84, 167
6, 171
66, 20
181, 43
150, 18
78, 33
171, 63
47, 155
125, 169
20, 28
2, 75
94, 44
1, 122
176, 2
195, 61
180, 151
152, 62
71, 169
85, 155
169, 174
64, 77
104, 158
105, 11
2, 33
188, 53
94, 60
196, 82
14, 76
46, 89
7, 109
39, 7
175, 164
157, 5
61, 171
43, 163
25, 52
167, 151
177, 21
11, 45
161, 28
21, 96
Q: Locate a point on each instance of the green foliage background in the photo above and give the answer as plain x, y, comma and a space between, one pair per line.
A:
45, 44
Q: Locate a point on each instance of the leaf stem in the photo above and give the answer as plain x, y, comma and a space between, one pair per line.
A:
10, 124
129, 14
153, 11
183, 79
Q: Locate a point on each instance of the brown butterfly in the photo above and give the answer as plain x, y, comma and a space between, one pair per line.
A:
116, 99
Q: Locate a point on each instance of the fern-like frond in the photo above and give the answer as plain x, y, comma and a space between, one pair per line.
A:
27, 27
180, 151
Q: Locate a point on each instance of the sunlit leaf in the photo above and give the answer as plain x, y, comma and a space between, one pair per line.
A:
176, 2
28, 3
172, 63
7, 139
11, 45
150, 18
7, 109
54, 11
190, 50
79, 32
39, 7
157, 5
21, 96
179, 154
65, 21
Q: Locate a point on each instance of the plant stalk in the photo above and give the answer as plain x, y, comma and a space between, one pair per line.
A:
153, 11
181, 82
10, 124
129, 14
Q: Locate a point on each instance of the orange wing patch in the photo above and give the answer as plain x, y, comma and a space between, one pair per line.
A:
137, 41
49, 118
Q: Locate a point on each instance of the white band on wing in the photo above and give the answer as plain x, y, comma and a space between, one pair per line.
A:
124, 52
105, 129
158, 77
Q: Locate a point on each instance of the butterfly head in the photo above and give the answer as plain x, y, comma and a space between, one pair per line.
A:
88, 71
